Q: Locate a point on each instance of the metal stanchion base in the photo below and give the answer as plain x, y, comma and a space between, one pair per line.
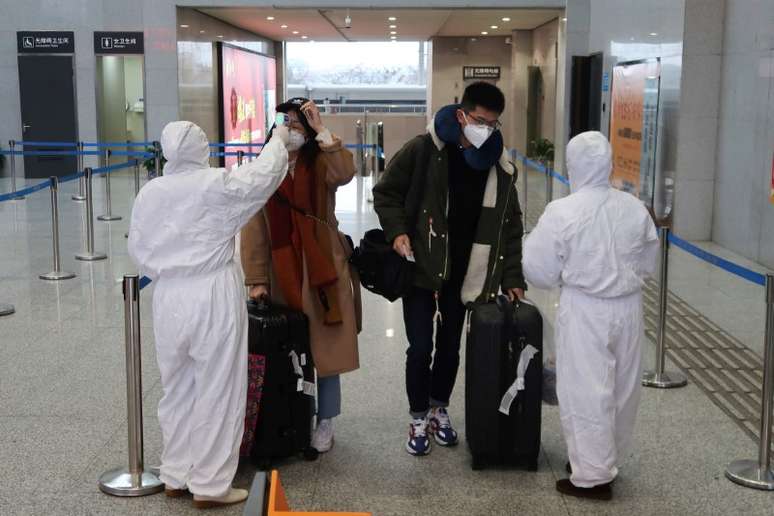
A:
79, 198
6, 309
108, 218
666, 380
20, 198
90, 257
56, 276
748, 473
119, 482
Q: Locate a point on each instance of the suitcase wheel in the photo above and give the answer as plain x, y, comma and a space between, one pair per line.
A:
311, 454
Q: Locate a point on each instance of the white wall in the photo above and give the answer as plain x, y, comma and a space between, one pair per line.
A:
743, 217
544, 56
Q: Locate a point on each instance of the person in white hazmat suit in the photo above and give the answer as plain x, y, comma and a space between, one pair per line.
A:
598, 244
182, 237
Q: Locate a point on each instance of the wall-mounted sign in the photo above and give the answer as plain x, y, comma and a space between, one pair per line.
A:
45, 42
771, 192
480, 72
634, 126
119, 43
606, 81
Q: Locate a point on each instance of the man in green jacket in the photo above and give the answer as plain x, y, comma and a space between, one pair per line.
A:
464, 231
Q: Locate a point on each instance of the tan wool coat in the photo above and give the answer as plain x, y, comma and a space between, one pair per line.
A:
334, 347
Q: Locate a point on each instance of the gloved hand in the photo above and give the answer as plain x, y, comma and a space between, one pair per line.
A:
282, 132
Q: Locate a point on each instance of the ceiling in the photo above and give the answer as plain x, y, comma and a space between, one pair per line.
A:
374, 25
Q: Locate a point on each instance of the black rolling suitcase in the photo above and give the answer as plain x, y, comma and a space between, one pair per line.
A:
502, 407
278, 344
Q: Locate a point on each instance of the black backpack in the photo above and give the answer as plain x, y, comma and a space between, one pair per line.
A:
381, 269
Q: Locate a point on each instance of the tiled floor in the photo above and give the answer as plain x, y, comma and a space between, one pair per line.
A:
62, 398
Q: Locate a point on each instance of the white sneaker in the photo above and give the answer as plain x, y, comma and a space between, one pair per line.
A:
322, 440
234, 496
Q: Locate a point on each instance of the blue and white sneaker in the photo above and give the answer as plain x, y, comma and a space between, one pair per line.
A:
418, 443
441, 428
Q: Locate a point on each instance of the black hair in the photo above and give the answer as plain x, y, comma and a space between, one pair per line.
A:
483, 94
307, 153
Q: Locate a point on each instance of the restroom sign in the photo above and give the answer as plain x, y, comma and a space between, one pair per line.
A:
119, 43
480, 72
45, 42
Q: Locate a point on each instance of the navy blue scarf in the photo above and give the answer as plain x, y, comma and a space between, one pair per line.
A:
449, 131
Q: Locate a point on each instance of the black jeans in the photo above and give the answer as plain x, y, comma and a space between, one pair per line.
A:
428, 385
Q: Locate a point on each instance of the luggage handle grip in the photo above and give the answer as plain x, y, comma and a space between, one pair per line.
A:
262, 303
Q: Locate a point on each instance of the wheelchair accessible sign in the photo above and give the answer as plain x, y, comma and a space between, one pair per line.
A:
45, 42
119, 43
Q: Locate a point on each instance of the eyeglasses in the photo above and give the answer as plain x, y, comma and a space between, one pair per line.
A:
496, 124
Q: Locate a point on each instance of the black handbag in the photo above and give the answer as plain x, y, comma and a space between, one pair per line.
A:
381, 269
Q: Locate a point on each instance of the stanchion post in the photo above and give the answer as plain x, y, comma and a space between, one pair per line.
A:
659, 378
57, 273
240, 157
89, 255
524, 208
6, 309
157, 159
758, 474
12, 148
549, 183
81, 195
136, 177
360, 154
134, 480
108, 217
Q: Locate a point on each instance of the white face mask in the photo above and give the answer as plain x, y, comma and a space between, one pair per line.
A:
476, 134
297, 140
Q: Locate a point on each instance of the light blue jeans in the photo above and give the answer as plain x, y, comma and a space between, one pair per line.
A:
328, 397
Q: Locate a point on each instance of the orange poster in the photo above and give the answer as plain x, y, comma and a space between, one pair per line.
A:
771, 190
633, 126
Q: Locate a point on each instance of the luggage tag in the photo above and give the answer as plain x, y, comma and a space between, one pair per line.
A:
297, 368
303, 359
525, 357
310, 389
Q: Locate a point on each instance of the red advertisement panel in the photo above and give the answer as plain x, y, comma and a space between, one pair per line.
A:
249, 86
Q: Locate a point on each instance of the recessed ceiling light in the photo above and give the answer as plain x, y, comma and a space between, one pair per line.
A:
654, 33
295, 32
270, 18
394, 41
304, 37
201, 32
393, 32
564, 19
393, 37
484, 33
392, 18
393, 26
283, 26
506, 19
473, 39
184, 26
494, 27
220, 35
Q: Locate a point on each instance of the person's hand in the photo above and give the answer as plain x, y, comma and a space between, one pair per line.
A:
312, 114
283, 133
258, 291
515, 293
402, 245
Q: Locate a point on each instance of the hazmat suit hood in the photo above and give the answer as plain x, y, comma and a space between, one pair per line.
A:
589, 161
185, 146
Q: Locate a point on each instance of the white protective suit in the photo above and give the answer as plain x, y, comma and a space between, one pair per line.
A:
598, 244
182, 237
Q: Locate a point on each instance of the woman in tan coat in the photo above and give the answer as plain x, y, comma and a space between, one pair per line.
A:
292, 251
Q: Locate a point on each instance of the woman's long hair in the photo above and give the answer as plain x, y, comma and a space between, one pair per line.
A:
308, 153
